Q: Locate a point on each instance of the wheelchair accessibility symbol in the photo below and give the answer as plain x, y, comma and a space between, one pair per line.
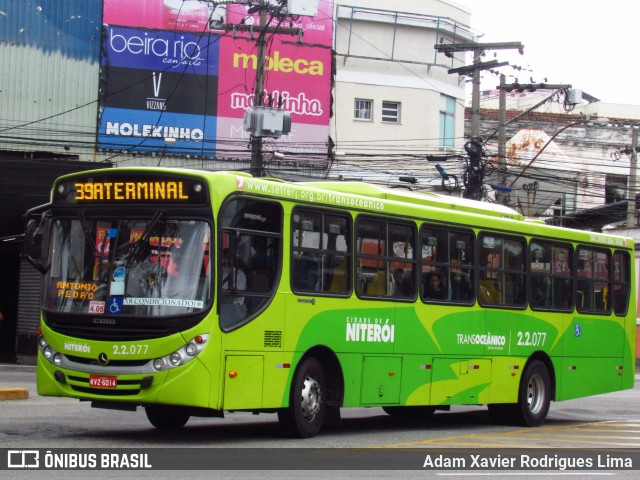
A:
115, 305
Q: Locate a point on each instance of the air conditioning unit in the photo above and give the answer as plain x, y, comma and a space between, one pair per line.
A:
267, 122
574, 97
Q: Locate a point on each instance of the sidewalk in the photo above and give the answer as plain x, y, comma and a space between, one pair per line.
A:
17, 393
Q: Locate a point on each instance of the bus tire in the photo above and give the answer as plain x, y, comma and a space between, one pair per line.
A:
307, 403
416, 413
534, 398
166, 418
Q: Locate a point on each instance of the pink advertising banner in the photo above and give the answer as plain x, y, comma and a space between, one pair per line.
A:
198, 16
297, 77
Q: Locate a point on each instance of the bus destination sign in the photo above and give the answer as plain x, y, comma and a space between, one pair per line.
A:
130, 190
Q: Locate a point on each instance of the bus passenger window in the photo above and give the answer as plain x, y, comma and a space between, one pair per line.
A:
593, 280
251, 232
320, 252
621, 281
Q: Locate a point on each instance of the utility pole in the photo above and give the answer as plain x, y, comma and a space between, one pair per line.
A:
475, 174
474, 70
256, 166
501, 196
632, 189
264, 121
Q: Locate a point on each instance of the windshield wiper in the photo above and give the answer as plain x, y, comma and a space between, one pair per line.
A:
87, 233
141, 247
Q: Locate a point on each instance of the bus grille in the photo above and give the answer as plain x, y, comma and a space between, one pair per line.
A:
112, 363
116, 392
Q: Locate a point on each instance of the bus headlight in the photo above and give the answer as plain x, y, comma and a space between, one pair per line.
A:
57, 358
183, 355
175, 359
48, 352
191, 349
158, 364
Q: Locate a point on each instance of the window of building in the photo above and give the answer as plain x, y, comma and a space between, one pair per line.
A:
363, 110
615, 188
447, 120
391, 112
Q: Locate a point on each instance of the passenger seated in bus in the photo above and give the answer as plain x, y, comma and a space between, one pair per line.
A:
234, 280
306, 276
540, 291
460, 286
402, 286
433, 287
260, 266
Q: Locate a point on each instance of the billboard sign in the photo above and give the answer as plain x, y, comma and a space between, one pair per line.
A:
172, 80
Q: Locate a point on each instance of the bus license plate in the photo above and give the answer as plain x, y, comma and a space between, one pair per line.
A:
102, 381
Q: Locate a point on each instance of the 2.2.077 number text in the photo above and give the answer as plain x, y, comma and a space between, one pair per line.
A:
135, 349
531, 339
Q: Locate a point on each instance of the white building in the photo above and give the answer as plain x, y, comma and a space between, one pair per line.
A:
395, 102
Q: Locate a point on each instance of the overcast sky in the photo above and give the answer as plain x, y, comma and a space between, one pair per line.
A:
591, 45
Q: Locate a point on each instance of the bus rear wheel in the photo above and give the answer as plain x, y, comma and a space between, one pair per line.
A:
166, 418
534, 399
307, 404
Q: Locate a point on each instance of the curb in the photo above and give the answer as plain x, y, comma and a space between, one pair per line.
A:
13, 393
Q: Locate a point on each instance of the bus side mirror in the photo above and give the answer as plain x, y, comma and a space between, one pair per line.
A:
35, 237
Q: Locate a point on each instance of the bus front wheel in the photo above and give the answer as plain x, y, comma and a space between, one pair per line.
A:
307, 404
166, 418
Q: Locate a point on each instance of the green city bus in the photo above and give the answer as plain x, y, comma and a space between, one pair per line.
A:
194, 293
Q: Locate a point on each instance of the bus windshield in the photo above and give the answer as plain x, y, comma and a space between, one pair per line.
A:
132, 267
